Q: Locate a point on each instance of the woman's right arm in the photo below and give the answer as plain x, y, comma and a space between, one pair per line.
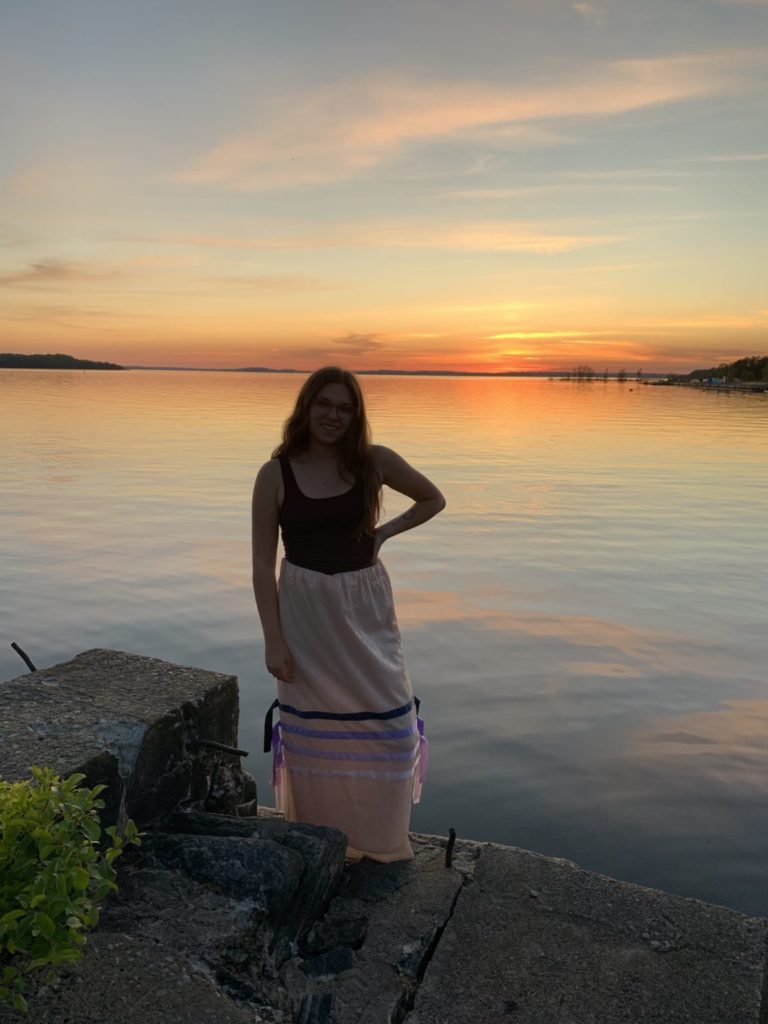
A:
264, 532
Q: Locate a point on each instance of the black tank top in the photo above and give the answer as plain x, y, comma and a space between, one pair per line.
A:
319, 533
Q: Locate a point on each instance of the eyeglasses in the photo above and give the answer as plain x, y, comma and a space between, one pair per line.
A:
325, 405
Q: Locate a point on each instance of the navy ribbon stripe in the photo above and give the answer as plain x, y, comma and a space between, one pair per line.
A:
326, 714
349, 716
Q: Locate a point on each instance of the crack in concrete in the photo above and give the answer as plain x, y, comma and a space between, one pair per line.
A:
407, 1000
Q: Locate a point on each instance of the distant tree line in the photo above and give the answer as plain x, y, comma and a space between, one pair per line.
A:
588, 373
51, 361
749, 368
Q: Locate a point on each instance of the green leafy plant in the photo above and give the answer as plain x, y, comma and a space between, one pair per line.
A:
54, 871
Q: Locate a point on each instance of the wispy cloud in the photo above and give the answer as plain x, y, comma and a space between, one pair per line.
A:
41, 180
358, 344
354, 126
487, 307
591, 13
561, 188
735, 157
11, 236
54, 272
332, 350
624, 174
490, 236
54, 312
273, 283
475, 236
506, 335
732, 321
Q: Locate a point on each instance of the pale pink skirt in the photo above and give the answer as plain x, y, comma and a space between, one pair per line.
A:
349, 750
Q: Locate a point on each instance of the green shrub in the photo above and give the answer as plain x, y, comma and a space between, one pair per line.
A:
54, 871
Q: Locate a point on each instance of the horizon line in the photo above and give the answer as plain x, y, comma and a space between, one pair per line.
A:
405, 373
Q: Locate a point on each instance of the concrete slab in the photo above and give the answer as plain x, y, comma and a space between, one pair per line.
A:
536, 940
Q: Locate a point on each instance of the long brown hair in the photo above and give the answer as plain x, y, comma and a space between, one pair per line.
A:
355, 453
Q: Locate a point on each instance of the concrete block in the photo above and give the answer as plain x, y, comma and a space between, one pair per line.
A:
122, 719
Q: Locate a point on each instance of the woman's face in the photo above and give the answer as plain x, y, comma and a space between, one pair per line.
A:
331, 412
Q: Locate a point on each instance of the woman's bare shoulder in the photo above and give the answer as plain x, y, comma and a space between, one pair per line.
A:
382, 456
269, 474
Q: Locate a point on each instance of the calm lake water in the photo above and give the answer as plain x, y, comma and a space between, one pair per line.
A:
585, 624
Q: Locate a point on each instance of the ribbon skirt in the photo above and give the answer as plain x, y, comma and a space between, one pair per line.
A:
349, 750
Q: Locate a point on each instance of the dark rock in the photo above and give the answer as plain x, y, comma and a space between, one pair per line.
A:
328, 934
328, 965
167, 908
191, 821
321, 851
226, 938
316, 1009
243, 868
227, 784
249, 788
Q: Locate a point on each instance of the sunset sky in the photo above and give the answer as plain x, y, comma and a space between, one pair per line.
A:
498, 184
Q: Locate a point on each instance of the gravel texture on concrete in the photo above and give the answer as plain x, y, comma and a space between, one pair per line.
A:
124, 980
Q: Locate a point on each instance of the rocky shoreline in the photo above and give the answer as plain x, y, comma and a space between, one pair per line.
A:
227, 913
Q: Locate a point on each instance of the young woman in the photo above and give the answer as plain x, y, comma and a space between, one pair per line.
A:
349, 749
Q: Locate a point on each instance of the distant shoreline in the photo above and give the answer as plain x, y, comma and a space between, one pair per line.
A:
51, 361
540, 374
60, 361
752, 387
564, 375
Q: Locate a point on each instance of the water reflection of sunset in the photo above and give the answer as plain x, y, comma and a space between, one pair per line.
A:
731, 738
618, 651
590, 595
